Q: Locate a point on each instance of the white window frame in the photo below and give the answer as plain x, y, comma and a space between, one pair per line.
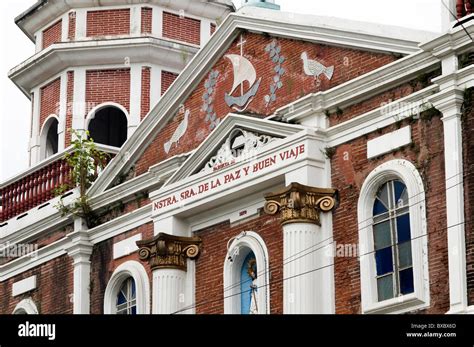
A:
405, 171
26, 306
44, 135
232, 270
128, 269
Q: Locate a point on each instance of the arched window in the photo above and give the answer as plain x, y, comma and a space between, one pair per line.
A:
392, 240
49, 137
108, 126
127, 297
26, 306
128, 290
246, 275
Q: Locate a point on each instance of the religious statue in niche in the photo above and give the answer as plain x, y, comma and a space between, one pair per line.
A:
243, 71
178, 133
252, 271
315, 68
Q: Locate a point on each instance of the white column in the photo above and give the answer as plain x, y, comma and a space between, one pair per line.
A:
168, 291
81, 23
35, 128
135, 20
135, 97
62, 113
300, 291
155, 85
79, 107
447, 14
449, 102
65, 27
205, 31
80, 250
157, 21
38, 41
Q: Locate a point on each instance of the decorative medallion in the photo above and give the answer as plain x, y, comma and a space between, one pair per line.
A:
274, 51
239, 146
315, 68
298, 203
166, 251
243, 71
178, 133
208, 99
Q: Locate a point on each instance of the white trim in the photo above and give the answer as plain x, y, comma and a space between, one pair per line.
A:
251, 241
38, 41
25, 285
135, 20
27, 306
155, 85
135, 98
407, 172
79, 109
35, 127
126, 247
389, 142
128, 269
63, 106
157, 21
64, 27
44, 134
205, 34
81, 23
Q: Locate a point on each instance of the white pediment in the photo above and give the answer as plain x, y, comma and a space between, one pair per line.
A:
236, 139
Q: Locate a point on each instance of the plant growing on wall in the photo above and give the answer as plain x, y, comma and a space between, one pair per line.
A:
85, 162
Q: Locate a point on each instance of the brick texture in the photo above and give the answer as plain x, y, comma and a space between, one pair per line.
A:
348, 64
52, 34
49, 101
107, 86
145, 102
71, 35
167, 79
54, 290
350, 167
108, 23
181, 28
103, 264
147, 14
209, 266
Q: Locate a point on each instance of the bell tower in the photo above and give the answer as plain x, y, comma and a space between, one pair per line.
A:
101, 66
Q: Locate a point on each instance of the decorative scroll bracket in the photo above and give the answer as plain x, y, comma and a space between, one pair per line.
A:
166, 251
298, 203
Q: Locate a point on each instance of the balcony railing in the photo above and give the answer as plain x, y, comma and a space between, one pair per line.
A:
37, 185
464, 7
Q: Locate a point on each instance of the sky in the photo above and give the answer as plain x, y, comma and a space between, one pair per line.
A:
15, 108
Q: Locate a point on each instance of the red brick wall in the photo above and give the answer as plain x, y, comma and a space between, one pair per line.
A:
52, 34
209, 265
107, 86
468, 153
181, 28
147, 14
108, 22
72, 26
49, 102
103, 265
348, 64
70, 105
167, 79
145, 103
54, 290
350, 167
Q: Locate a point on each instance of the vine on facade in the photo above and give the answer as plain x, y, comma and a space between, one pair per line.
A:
85, 162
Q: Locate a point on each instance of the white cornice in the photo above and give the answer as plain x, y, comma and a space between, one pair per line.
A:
43, 11
66, 55
358, 89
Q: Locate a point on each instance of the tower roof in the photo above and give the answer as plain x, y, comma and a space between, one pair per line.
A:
43, 11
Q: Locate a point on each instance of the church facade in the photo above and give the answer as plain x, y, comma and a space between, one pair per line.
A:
260, 162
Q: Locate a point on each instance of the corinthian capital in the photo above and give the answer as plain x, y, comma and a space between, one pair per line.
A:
298, 203
168, 251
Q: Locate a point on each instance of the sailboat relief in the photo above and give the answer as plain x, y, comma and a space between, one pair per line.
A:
244, 72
